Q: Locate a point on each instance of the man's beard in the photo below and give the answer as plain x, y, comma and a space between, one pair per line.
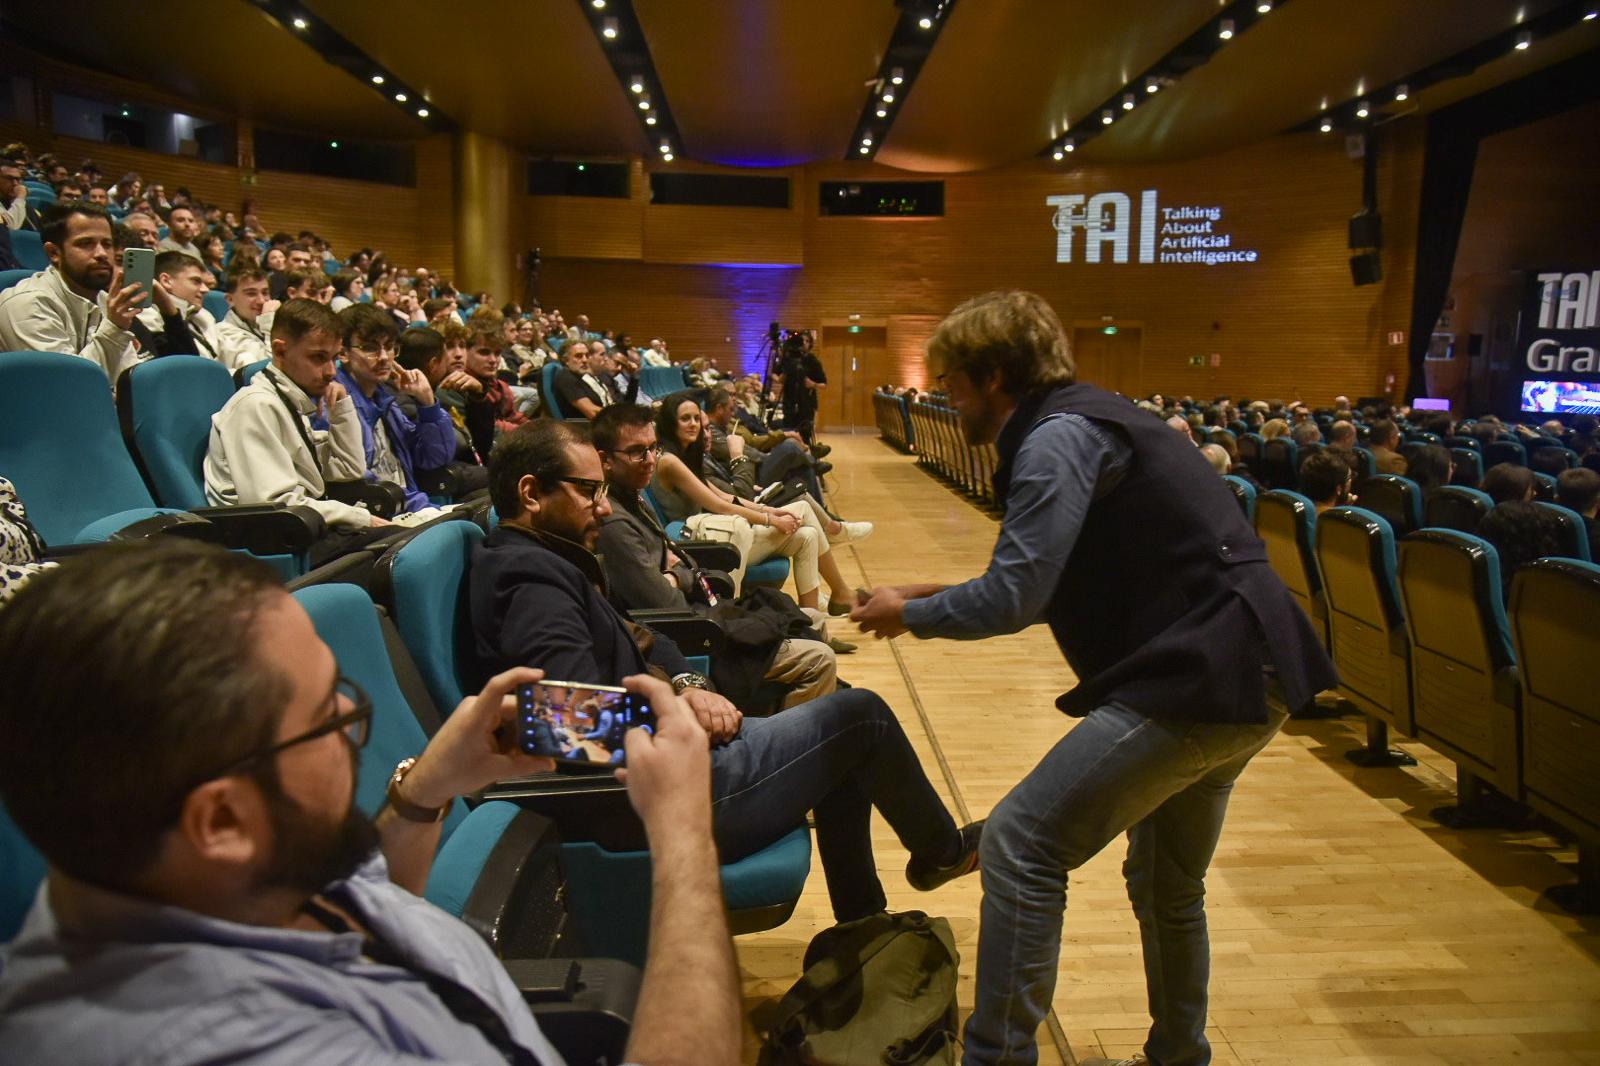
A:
307, 854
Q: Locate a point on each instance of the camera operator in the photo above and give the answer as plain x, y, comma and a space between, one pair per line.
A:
802, 377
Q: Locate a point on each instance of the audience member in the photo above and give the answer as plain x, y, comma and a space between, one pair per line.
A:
1272, 428
60, 308
1326, 477
424, 350
189, 328
1430, 466
787, 457
1521, 531
1550, 461
1217, 456
182, 229
492, 409
21, 547
144, 229
535, 596
576, 391
242, 332
1579, 489
1383, 442
266, 445
1505, 482
1305, 433
397, 444
214, 893
15, 210
213, 253
348, 285
1342, 436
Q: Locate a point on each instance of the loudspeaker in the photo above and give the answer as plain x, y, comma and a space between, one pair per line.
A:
1366, 230
1366, 268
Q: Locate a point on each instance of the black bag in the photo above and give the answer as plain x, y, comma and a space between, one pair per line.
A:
877, 992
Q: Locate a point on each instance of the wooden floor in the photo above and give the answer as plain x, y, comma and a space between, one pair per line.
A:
1346, 926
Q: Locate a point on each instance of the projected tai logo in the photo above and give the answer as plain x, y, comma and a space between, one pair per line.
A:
1109, 230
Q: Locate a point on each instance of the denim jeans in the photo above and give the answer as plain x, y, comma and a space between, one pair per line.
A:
839, 756
1165, 783
785, 461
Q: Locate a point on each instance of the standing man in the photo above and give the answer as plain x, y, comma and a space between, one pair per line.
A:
802, 377
1119, 536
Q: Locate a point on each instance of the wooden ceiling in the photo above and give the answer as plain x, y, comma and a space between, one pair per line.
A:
782, 82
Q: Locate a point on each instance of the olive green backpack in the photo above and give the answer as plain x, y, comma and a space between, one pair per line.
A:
878, 992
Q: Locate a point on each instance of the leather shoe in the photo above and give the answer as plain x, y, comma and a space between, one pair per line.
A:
925, 877
841, 647
819, 449
823, 468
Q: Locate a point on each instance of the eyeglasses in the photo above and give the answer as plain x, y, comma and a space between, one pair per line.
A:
637, 453
374, 350
588, 487
356, 723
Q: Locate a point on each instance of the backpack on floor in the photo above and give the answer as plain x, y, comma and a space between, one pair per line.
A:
878, 992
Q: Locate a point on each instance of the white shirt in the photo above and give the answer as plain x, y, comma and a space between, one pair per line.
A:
239, 343
258, 455
40, 314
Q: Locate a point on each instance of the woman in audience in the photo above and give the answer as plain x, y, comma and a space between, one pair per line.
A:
1508, 482
797, 531
1520, 532
1431, 467
274, 260
348, 285
1273, 427
212, 254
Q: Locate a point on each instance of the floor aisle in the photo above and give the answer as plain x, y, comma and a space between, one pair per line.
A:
1346, 927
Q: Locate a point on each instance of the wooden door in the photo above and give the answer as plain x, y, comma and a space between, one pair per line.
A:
1110, 360
854, 357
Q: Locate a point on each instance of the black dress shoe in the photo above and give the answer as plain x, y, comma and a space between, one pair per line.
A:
823, 468
819, 449
925, 877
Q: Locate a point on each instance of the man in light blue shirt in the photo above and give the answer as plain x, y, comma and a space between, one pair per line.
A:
213, 893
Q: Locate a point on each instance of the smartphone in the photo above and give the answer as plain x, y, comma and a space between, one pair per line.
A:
770, 491
579, 724
139, 268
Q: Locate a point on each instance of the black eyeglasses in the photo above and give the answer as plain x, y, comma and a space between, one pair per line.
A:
637, 453
590, 488
374, 349
356, 723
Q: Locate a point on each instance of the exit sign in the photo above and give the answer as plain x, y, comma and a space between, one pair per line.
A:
854, 329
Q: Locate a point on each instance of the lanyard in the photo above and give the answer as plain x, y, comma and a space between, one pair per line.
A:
299, 422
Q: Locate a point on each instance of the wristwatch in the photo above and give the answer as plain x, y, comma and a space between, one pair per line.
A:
404, 807
690, 679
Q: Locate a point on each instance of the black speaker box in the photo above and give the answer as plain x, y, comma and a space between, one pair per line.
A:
1366, 268
1366, 230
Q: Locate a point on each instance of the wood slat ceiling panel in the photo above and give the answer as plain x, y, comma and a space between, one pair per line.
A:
766, 82
232, 58
531, 74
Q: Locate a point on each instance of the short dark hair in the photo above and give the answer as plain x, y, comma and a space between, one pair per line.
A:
1550, 461
57, 217
1578, 488
293, 279
608, 424
1506, 482
1429, 466
717, 399
538, 448
1521, 531
298, 317
297, 246
434, 306
112, 710
242, 270
366, 322
418, 347
343, 280
1384, 431
172, 261
1323, 474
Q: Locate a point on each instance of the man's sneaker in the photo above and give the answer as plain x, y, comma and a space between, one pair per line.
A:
1137, 1060
841, 647
925, 877
850, 532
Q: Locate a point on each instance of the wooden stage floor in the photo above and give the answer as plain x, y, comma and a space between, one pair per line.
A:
1346, 926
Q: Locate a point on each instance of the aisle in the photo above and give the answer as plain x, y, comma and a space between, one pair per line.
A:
1346, 926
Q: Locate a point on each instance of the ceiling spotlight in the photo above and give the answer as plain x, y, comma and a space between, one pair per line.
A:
864, 149
1524, 39
401, 98
666, 147
1106, 117
637, 86
1592, 14
1127, 101
1327, 125
1402, 92
422, 112
300, 24
377, 79
1362, 111
896, 76
1058, 155
1263, 6
888, 98
867, 140
882, 113
1069, 145
667, 157
649, 120
644, 105
925, 22
598, 5
608, 29
1225, 29
1152, 85
333, 144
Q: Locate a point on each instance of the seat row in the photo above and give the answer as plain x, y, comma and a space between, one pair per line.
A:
942, 448
1426, 644
894, 420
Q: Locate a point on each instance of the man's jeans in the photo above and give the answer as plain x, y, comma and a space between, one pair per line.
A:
1166, 784
838, 756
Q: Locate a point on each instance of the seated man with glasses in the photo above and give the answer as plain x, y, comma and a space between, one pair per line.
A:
213, 892
396, 445
537, 595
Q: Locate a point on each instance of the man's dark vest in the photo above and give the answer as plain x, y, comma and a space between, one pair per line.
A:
1167, 604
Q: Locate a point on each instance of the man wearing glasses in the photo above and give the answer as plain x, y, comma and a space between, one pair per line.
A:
396, 446
214, 894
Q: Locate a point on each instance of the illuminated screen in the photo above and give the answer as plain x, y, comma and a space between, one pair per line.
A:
1561, 397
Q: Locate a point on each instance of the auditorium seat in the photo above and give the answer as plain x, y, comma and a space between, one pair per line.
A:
1456, 507
1398, 499
1468, 471
1366, 464
1463, 671
9, 278
1250, 445
1280, 466
1505, 451
28, 247
1554, 603
39, 192
1355, 552
424, 584
1286, 521
1573, 532
1245, 493
547, 389
216, 304
1469, 443
22, 870
246, 374
1544, 486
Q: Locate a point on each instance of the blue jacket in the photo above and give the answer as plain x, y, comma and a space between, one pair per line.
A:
428, 443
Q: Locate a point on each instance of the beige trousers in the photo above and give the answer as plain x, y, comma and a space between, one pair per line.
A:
757, 544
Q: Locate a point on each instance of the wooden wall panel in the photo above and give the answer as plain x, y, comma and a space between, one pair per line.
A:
764, 236
585, 227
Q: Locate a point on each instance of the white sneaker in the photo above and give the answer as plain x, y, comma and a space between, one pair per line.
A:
850, 532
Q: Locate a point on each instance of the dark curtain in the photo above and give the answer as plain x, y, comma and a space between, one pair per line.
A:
1452, 152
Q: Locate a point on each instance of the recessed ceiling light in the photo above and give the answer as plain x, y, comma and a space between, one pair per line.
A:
637, 86
1524, 39
1069, 146
401, 98
644, 105
422, 112
866, 140
896, 76
1225, 29
667, 157
1327, 125
598, 5
1127, 102
608, 29
1058, 155
649, 120
1263, 6
1106, 117
925, 22
665, 147
1362, 111
882, 113
300, 24
377, 79
888, 98
333, 144
864, 149
1402, 92
1152, 85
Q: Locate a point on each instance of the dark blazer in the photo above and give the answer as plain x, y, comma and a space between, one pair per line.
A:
538, 600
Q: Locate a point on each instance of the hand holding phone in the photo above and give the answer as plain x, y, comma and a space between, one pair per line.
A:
139, 268
579, 725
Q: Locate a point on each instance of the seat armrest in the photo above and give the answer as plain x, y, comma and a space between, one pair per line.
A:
692, 633
264, 529
444, 481
583, 1006
709, 554
590, 808
382, 498
179, 523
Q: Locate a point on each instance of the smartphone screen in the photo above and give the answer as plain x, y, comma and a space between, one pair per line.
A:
579, 723
139, 268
